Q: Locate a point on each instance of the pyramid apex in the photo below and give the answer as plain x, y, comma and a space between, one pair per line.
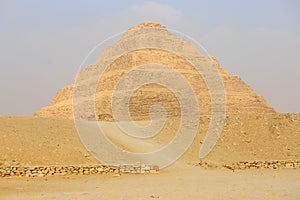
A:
147, 25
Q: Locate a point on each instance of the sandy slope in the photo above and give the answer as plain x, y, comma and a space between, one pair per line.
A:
40, 141
44, 141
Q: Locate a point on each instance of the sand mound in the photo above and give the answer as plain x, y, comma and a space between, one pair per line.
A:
42, 141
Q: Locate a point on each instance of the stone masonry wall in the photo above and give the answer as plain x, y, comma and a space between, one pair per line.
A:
41, 171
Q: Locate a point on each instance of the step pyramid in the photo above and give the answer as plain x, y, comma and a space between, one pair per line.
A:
156, 47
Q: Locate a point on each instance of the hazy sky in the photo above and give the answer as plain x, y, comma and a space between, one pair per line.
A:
42, 43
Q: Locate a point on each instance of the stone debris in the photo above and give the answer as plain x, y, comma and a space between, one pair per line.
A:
207, 165
41, 171
293, 164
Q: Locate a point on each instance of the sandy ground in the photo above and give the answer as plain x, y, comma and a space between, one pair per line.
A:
176, 182
43, 141
40, 141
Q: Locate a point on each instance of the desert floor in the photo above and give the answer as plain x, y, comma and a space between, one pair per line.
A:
176, 182
34, 141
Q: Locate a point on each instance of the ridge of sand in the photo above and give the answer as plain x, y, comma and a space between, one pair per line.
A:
47, 141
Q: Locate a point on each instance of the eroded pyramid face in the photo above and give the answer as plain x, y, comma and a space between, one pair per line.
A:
240, 98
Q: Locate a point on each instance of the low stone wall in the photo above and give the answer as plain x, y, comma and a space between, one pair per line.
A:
265, 165
242, 165
41, 171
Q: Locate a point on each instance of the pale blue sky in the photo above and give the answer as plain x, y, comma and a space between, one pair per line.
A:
42, 43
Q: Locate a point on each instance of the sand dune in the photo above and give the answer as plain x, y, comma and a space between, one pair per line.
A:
46, 141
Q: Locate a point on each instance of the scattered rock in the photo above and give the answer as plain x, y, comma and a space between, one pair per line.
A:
154, 196
294, 164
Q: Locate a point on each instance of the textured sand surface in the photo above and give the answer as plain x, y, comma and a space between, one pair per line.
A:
44, 141
177, 182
